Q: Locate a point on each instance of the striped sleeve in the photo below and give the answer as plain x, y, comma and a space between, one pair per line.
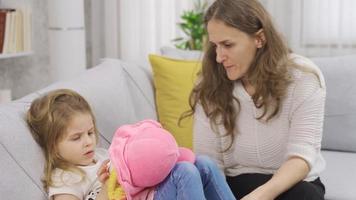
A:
306, 118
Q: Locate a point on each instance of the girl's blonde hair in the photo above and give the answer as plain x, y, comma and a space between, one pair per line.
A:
268, 72
48, 119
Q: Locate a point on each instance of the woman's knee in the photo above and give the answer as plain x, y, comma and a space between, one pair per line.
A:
303, 190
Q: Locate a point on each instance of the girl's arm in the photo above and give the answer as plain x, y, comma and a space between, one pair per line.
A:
103, 175
103, 194
65, 197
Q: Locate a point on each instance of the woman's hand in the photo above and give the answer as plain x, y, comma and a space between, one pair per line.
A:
258, 194
291, 172
103, 172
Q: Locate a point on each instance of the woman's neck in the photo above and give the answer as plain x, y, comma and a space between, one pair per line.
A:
248, 86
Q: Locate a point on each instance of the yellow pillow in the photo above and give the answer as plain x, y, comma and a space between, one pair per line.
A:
174, 80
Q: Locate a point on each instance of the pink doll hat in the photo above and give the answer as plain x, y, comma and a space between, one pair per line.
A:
143, 155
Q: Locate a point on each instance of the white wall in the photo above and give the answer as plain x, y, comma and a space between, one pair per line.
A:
26, 74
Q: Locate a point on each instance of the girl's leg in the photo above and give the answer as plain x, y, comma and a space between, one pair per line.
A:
214, 183
182, 183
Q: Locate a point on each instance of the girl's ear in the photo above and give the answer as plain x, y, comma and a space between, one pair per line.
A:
260, 38
56, 152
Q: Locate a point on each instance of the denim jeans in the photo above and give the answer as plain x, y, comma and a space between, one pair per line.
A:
199, 181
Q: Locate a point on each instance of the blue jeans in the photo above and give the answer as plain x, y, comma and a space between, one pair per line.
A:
199, 181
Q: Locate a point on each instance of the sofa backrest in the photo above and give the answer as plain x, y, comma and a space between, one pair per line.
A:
340, 107
118, 92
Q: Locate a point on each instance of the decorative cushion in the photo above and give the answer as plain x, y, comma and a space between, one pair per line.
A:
181, 54
174, 80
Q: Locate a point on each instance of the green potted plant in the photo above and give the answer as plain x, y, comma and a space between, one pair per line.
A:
193, 27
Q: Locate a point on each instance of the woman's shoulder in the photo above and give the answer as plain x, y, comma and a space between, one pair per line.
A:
307, 80
306, 72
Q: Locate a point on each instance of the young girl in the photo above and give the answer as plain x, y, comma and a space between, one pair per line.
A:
63, 124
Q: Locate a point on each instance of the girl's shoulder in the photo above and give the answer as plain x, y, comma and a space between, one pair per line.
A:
68, 182
62, 177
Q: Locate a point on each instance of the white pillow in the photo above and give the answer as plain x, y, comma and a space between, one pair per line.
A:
181, 54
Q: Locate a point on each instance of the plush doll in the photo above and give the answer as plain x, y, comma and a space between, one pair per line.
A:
142, 155
115, 191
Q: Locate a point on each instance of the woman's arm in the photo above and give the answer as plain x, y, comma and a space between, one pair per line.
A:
291, 172
304, 142
205, 140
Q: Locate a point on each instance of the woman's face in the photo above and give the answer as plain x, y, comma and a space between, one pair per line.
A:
235, 50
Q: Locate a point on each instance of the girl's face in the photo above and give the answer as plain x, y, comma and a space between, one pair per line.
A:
235, 50
79, 142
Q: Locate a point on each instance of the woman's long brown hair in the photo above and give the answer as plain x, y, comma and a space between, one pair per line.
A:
268, 72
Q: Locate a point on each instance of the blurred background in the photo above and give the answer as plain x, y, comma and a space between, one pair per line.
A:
69, 36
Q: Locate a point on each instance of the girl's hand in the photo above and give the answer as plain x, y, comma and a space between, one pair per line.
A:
103, 172
103, 175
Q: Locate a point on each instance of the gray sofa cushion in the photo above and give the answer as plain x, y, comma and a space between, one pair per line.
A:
339, 176
21, 158
340, 107
17, 180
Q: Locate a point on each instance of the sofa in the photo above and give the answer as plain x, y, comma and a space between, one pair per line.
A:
121, 93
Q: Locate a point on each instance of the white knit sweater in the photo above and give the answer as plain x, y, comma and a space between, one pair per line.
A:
262, 147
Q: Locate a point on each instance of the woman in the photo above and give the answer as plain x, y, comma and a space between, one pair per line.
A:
258, 109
